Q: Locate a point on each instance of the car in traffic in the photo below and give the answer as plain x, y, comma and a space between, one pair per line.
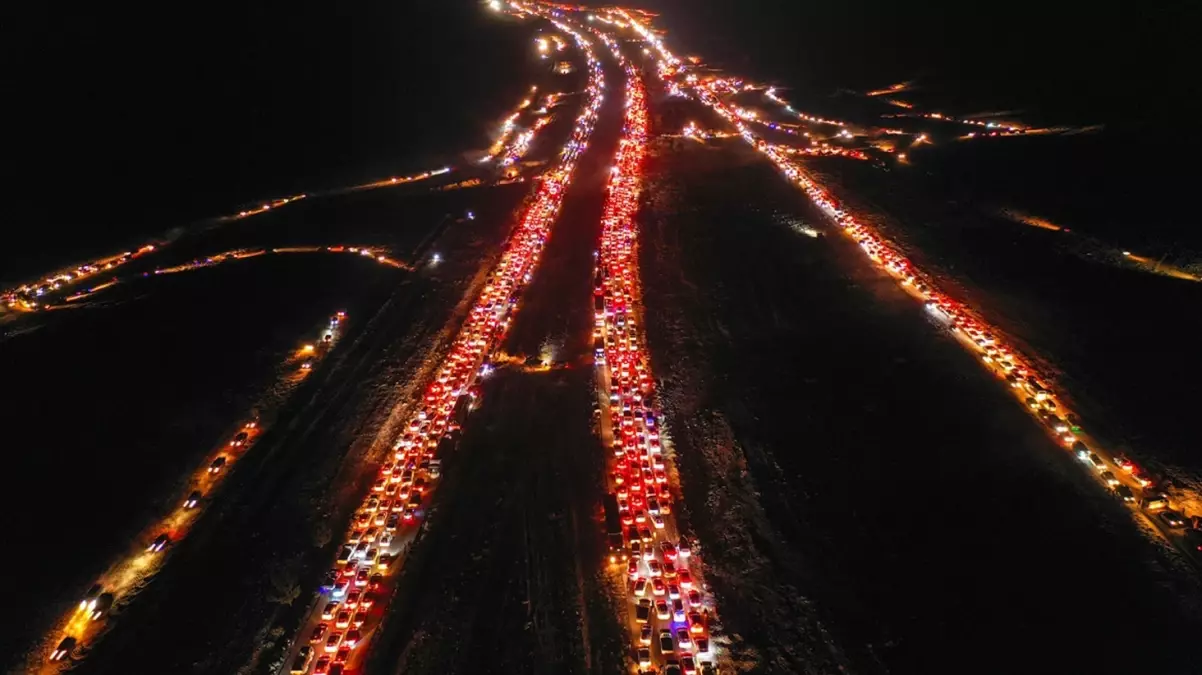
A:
193, 500
160, 542
304, 657
64, 649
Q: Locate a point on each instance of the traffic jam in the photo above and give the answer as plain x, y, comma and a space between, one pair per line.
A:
356, 591
1119, 474
669, 611
118, 585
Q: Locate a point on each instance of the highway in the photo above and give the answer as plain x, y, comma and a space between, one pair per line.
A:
1032, 389
336, 635
658, 571
117, 587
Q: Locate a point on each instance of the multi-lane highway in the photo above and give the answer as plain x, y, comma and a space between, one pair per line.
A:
669, 608
654, 564
355, 593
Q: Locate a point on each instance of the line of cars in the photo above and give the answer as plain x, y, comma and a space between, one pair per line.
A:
1127, 481
356, 590
669, 614
123, 575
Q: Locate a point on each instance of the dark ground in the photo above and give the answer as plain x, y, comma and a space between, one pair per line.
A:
848, 467
511, 563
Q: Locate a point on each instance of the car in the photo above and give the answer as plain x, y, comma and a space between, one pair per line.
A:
1143, 480
160, 542
1109, 478
665, 642
645, 635
64, 649
363, 577
352, 638
322, 667
661, 610
1154, 501
696, 622
359, 619
1124, 493
300, 665
333, 640
632, 568
673, 591
658, 587
327, 614
702, 644
669, 570
642, 611
352, 599
1173, 519
683, 640
658, 521
89, 598
1097, 462
694, 599
104, 602
672, 667
319, 631
640, 587
655, 568
1122, 462
342, 655
217, 465
668, 550
193, 500
644, 658
339, 589
1081, 450
685, 579
678, 612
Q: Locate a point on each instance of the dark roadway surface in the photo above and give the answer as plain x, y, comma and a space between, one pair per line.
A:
207, 611
864, 492
507, 578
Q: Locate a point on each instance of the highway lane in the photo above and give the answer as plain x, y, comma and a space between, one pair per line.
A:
398, 499
669, 612
76, 633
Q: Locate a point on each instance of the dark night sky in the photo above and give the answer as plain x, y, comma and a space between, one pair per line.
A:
126, 122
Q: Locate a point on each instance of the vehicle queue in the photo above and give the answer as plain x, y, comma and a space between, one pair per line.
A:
357, 589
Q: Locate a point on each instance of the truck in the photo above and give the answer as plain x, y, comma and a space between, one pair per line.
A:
613, 529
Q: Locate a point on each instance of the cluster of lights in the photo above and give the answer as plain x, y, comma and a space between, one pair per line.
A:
39, 295
84, 624
36, 295
406, 480
1000, 359
374, 254
770, 94
660, 574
